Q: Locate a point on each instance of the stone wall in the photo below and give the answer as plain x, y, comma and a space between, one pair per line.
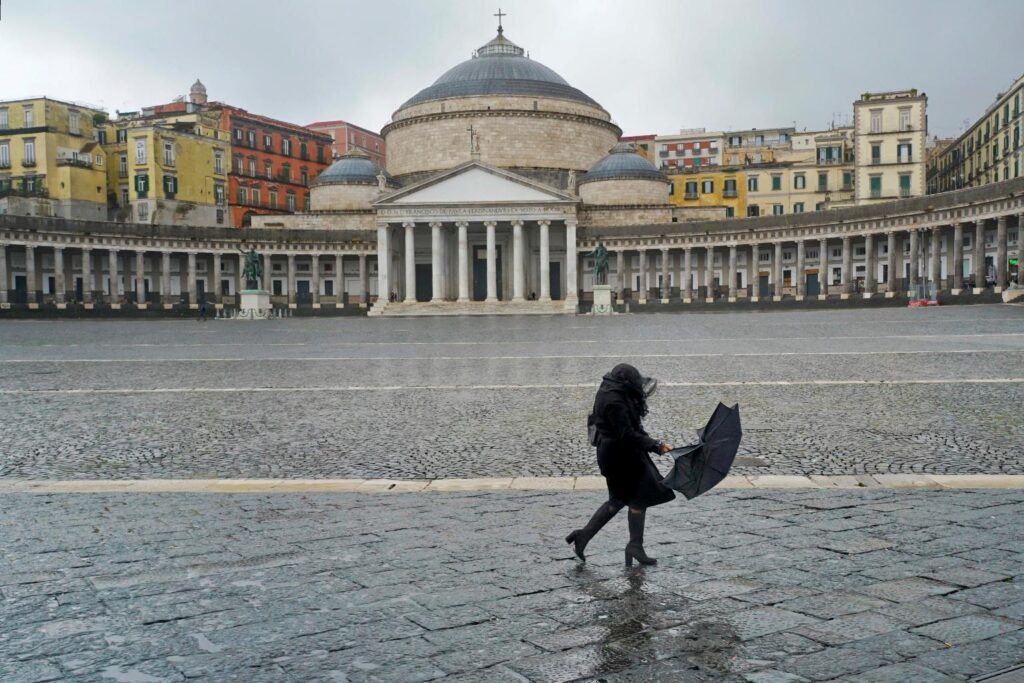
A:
322, 220
616, 192
499, 103
506, 139
334, 197
601, 216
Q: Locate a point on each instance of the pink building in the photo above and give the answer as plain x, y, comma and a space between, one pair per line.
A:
348, 136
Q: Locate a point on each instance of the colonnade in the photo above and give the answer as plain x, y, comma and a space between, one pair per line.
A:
870, 263
117, 275
403, 283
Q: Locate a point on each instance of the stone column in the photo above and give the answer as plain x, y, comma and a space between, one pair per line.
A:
518, 262
545, 260
215, 285
1002, 276
436, 262
709, 270
572, 293
777, 271
958, 257
314, 288
685, 290
666, 288
870, 268
914, 263
979, 256
847, 279
492, 261
291, 281
60, 295
410, 262
732, 273
165, 278
798, 278
936, 267
753, 272
193, 295
620, 270
644, 274
87, 280
823, 274
268, 272
383, 262
4, 282
364, 282
140, 278
891, 245
339, 280
113, 277
463, 228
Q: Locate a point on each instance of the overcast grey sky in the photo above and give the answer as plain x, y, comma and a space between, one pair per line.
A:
656, 65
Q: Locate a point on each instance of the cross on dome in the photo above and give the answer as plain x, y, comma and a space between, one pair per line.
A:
500, 14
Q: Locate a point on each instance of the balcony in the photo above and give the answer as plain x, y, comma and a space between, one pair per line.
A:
904, 192
875, 161
729, 194
846, 188
5, 163
10, 191
70, 161
663, 153
28, 163
690, 195
876, 193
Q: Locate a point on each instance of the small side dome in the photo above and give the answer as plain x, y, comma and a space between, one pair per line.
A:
353, 168
624, 178
623, 162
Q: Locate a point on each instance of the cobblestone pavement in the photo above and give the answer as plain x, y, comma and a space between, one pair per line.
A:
855, 586
828, 392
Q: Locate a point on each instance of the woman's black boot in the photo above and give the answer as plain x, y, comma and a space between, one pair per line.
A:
635, 548
581, 537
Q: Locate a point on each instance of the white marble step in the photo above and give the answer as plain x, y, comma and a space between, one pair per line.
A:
442, 308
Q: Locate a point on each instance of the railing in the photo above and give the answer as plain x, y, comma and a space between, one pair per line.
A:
729, 194
5, 163
875, 161
904, 192
28, 163
846, 188
69, 161
38, 191
875, 193
690, 195
829, 162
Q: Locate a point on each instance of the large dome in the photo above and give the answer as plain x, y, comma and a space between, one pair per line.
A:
622, 162
353, 168
499, 68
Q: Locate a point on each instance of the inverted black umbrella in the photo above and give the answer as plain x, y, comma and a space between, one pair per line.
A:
700, 466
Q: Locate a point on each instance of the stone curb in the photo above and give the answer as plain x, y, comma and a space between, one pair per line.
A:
589, 483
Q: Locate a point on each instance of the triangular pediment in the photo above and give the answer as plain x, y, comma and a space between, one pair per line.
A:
475, 183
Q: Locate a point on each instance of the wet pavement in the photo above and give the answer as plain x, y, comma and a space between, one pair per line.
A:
799, 585
827, 392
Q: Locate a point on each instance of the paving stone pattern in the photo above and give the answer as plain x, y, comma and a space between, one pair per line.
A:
481, 587
394, 401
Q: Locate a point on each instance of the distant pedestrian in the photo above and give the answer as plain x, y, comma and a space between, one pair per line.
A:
623, 449
202, 311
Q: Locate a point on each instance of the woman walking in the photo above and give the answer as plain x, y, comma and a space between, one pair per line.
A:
623, 449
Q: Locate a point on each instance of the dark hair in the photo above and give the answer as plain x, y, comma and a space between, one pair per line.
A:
626, 378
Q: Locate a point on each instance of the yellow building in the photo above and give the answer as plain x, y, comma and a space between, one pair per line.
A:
891, 134
713, 186
168, 169
52, 161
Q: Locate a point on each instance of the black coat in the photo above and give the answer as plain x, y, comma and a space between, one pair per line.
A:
623, 449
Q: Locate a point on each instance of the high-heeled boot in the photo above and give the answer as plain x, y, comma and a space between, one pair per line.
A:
581, 537
635, 548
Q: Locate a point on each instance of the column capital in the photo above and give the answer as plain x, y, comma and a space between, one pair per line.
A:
490, 224
664, 250
544, 222
435, 224
408, 224
570, 222
461, 224
1001, 220
517, 223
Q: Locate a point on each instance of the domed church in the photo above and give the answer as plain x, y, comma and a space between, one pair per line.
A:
492, 173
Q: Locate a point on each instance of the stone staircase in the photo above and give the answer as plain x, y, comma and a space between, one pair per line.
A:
448, 308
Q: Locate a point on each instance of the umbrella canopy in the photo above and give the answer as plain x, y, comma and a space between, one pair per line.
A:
700, 466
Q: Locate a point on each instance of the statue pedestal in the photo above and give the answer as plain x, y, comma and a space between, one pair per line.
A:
254, 305
602, 300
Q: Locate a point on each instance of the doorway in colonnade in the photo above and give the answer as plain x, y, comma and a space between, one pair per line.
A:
424, 281
555, 281
813, 287
480, 272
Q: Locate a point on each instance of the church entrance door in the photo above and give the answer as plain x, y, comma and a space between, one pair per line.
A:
556, 279
480, 272
424, 282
